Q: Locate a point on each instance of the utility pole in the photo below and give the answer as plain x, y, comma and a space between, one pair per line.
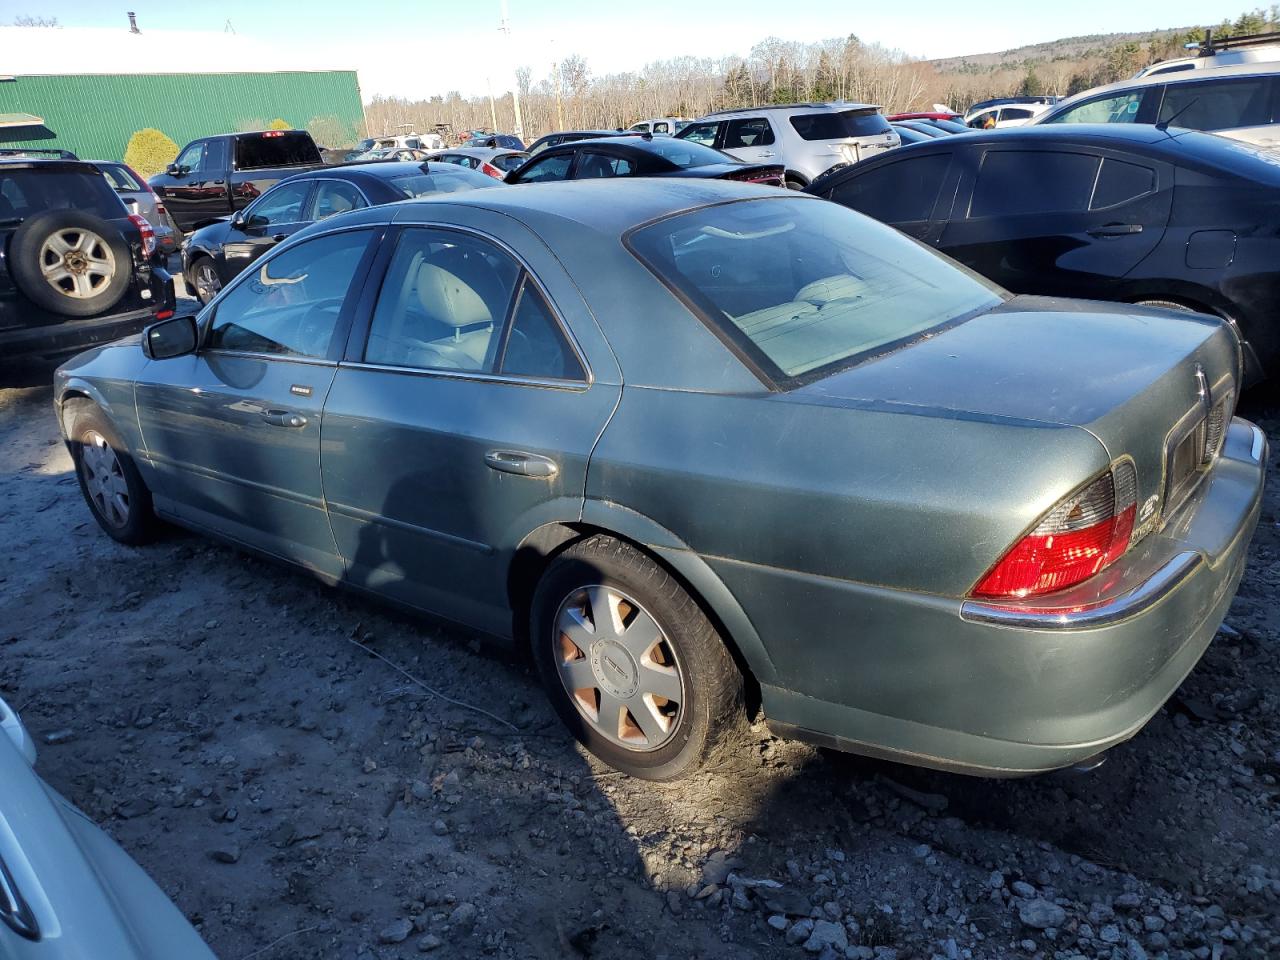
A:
505, 28
555, 70
493, 111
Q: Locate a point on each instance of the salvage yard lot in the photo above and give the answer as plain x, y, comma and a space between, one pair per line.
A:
223, 719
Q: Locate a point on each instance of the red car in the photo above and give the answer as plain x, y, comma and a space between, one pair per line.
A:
924, 116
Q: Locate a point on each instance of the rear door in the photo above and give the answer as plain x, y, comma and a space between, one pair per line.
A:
1241, 107
750, 139
1066, 221
465, 416
907, 194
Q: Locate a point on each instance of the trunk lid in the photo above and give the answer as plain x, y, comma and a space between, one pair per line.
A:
1148, 383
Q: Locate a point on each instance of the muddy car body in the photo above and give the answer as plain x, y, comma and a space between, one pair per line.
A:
716, 441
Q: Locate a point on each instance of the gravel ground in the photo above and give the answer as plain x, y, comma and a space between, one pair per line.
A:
224, 719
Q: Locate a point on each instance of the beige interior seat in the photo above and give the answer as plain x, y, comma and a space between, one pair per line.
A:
448, 299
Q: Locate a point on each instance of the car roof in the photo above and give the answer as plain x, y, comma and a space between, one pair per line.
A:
610, 206
782, 107
484, 153
12, 163
379, 170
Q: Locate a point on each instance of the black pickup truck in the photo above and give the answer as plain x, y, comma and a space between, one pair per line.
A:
216, 176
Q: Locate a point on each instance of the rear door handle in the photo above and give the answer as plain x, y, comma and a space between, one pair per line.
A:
1115, 230
284, 418
521, 463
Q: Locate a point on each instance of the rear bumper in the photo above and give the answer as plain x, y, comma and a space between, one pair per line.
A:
1008, 690
72, 335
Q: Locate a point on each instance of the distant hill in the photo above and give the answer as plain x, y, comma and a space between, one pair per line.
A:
1068, 48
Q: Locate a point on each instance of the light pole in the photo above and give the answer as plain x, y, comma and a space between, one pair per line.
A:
505, 28
493, 111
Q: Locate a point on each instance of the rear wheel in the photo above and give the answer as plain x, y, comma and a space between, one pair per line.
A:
631, 663
109, 480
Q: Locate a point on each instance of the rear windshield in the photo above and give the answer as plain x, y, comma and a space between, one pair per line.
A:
837, 126
121, 179
26, 192
804, 288
442, 181
507, 162
686, 153
275, 148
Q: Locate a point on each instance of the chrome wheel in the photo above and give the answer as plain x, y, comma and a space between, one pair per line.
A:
104, 479
78, 263
206, 281
618, 667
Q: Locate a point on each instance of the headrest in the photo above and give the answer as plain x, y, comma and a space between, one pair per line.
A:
448, 299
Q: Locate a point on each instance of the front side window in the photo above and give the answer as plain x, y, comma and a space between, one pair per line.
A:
753, 132
548, 168
442, 303
289, 304
803, 288
1218, 104
1019, 182
281, 204
336, 196
661, 127
594, 165
703, 133
1122, 108
506, 162
900, 192
191, 157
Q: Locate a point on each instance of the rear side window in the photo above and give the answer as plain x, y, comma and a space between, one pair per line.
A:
753, 132
508, 161
26, 192
1015, 182
838, 126
535, 345
1119, 182
121, 179
1218, 104
594, 165
275, 148
335, 196
899, 192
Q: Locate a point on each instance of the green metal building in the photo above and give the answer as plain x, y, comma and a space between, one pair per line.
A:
94, 115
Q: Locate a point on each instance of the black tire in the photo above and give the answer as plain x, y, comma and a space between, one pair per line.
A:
88, 426
712, 716
195, 287
794, 184
104, 285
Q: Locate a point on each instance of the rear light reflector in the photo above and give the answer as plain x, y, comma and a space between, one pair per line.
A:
148, 234
163, 314
1081, 536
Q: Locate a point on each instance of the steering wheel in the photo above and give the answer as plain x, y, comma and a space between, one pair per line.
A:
316, 326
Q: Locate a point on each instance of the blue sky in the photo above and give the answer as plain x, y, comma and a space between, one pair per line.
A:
418, 47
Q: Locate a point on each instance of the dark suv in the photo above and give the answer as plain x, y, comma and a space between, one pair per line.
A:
76, 266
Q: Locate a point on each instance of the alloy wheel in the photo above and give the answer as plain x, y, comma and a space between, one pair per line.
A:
207, 282
78, 263
618, 667
104, 479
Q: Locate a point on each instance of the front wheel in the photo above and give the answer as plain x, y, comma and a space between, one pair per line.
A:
205, 280
631, 663
109, 480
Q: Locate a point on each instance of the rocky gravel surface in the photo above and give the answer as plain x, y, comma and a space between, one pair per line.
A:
229, 723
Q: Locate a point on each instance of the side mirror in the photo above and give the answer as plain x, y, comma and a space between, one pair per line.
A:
237, 219
174, 170
175, 337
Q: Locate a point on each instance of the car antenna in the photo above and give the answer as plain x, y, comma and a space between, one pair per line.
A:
1163, 125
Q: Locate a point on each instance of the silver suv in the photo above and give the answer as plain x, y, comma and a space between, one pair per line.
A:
809, 139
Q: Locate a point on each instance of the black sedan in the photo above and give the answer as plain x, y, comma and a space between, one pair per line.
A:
641, 156
218, 251
1126, 212
569, 136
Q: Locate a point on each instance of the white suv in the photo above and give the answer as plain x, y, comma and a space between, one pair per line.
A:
807, 138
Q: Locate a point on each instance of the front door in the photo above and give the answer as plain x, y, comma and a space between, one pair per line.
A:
275, 216
234, 429
463, 422
199, 191
1062, 222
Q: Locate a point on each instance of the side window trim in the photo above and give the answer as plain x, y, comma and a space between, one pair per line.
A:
307, 200
341, 330
358, 338
309, 208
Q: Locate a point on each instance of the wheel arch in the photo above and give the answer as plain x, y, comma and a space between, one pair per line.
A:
536, 551
797, 176
80, 391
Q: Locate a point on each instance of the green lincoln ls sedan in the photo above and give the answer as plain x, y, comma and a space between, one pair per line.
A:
689, 440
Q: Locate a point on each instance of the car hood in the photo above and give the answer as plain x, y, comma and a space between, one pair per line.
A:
84, 894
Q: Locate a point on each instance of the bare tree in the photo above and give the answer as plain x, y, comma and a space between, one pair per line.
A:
29, 21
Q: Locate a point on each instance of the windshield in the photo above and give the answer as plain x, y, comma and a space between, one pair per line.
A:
803, 288
442, 181
867, 122
687, 153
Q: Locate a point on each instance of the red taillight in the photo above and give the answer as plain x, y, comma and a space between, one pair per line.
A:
163, 314
1079, 537
491, 170
273, 133
148, 235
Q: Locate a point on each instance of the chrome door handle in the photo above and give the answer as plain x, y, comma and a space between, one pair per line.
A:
523, 464
284, 418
